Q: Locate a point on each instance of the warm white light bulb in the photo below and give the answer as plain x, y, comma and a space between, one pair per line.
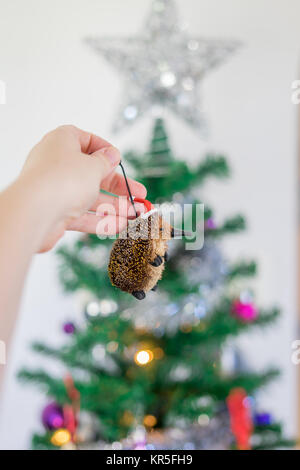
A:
143, 357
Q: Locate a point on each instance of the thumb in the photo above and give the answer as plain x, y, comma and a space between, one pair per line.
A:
107, 159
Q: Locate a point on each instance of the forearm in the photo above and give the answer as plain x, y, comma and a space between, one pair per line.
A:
59, 183
25, 216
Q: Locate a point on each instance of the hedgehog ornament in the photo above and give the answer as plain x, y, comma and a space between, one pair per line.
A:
138, 257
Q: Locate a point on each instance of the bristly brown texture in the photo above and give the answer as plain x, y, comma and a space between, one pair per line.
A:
130, 267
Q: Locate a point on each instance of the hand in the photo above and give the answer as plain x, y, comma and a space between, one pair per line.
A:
68, 168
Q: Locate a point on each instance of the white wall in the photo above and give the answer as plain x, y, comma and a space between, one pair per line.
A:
53, 78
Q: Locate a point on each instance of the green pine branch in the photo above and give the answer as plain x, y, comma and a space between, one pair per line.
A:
217, 326
75, 274
230, 226
52, 387
213, 165
242, 269
42, 442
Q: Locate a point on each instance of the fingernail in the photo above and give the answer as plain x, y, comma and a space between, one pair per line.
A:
113, 155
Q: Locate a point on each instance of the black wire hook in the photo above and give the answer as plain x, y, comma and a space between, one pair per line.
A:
128, 189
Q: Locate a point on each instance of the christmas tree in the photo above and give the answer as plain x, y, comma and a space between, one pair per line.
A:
152, 373
157, 365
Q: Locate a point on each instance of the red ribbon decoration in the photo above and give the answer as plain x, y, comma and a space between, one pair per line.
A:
240, 418
71, 411
149, 206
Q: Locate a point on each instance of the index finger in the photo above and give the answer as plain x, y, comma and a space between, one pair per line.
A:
115, 183
89, 142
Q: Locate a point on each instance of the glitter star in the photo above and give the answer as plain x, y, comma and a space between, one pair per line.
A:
163, 66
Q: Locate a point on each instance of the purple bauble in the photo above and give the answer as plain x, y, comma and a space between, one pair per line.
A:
263, 419
69, 328
53, 417
210, 224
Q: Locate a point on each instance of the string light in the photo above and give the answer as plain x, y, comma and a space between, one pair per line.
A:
203, 420
150, 421
143, 357
127, 418
186, 328
112, 346
61, 437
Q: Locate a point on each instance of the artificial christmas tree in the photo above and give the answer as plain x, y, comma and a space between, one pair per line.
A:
151, 373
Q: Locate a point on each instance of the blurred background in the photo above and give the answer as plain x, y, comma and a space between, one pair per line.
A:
54, 77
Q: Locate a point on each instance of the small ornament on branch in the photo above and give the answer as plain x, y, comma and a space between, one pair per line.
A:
245, 311
210, 224
263, 419
138, 257
52, 416
63, 419
240, 418
69, 328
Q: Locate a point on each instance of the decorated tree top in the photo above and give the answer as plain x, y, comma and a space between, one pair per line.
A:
163, 66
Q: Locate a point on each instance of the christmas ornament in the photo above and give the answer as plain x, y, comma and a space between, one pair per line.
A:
240, 418
210, 224
88, 427
69, 328
207, 266
68, 446
150, 421
52, 416
61, 437
211, 433
232, 360
207, 269
163, 67
138, 257
139, 438
263, 419
71, 411
245, 311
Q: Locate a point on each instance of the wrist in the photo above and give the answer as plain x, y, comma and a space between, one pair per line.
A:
40, 197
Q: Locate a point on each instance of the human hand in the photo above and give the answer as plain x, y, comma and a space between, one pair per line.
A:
68, 167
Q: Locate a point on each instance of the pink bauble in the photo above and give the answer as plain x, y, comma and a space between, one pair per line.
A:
246, 312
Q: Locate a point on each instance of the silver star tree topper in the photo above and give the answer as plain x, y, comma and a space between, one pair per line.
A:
163, 66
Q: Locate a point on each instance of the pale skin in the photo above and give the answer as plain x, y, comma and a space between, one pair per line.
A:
59, 184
